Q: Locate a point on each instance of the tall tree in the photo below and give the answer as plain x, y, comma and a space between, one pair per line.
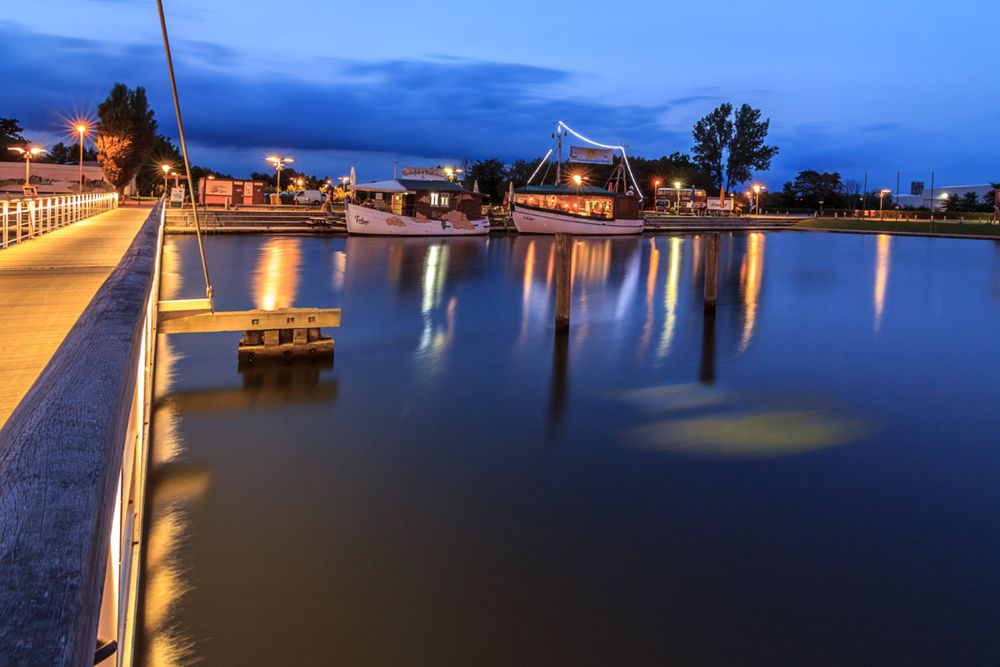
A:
729, 147
63, 154
10, 135
125, 134
811, 187
713, 135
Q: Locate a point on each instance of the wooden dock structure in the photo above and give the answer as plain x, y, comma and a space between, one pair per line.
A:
45, 285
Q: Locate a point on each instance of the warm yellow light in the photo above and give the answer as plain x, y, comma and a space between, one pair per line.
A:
756, 189
165, 168
677, 185
36, 150
656, 183
578, 179
81, 128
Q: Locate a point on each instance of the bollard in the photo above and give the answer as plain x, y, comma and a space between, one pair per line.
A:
711, 270
564, 252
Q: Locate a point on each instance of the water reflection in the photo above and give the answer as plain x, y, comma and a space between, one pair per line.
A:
670, 297
276, 276
751, 275
382, 516
881, 277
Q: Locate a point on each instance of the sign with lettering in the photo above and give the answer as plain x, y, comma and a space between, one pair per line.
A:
587, 155
424, 174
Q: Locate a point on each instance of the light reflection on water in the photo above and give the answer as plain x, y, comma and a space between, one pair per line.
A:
769, 483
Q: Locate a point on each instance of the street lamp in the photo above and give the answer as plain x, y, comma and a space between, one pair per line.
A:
299, 182
881, 196
656, 186
27, 154
677, 187
82, 130
756, 193
166, 171
279, 162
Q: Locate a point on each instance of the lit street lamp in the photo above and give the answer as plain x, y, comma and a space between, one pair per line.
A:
756, 193
656, 186
166, 171
677, 187
881, 196
82, 129
27, 154
279, 163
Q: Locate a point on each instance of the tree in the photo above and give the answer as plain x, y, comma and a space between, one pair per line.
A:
10, 135
811, 187
125, 134
63, 154
729, 147
492, 176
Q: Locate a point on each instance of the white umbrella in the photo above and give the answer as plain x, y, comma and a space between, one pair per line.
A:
353, 177
475, 186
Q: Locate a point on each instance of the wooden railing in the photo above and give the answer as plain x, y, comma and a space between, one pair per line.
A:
72, 471
23, 219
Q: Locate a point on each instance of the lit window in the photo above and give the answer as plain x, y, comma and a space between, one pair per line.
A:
439, 199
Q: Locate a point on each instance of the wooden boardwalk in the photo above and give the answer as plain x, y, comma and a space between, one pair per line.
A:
45, 284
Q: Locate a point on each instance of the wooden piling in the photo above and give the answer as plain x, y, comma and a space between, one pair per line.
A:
711, 270
564, 254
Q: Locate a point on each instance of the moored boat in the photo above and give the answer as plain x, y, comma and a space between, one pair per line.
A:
424, 206
571, 206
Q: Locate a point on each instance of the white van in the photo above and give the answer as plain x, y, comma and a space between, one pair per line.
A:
308, 197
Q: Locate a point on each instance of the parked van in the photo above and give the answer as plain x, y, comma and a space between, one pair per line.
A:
308, 197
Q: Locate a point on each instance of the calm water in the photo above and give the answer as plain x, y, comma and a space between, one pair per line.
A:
812, 478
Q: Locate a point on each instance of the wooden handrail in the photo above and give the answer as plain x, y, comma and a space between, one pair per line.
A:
60, 464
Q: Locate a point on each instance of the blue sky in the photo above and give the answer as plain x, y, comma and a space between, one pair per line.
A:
851, 86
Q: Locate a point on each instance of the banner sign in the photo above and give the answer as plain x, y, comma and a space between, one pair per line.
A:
591, 155
424, 174
218, 187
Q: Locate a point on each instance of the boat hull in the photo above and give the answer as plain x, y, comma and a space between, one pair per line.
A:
372, 222
531, 221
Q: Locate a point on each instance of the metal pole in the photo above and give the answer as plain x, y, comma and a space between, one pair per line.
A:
932, 196
897, 189
27, 168
187, 163
81, 160
864, 196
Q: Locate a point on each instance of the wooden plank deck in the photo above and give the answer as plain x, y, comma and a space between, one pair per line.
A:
45, 284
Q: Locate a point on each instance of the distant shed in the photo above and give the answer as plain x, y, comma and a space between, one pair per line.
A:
234, 192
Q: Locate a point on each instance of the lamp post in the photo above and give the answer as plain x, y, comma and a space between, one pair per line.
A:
279, 162
881, 196
656, 187
27, 154
166, 171
677, 188
756, 199
81, 128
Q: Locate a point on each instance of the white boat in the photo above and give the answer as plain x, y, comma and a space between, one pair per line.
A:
573, 207
415, 207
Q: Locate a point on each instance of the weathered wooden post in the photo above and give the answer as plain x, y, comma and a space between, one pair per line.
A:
564, 253
711, 270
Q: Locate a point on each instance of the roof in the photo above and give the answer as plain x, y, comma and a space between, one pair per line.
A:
553, 189
409, 185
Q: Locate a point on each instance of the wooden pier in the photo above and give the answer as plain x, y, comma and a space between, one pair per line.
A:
45, 285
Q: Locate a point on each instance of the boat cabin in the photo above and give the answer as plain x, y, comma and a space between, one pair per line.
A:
585, 201
420, 199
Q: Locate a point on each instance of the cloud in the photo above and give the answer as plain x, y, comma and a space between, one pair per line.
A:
432, 107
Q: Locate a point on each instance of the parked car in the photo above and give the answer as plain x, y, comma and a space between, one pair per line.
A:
308, 197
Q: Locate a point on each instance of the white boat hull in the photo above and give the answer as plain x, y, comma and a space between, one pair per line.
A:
364, 220
532, 221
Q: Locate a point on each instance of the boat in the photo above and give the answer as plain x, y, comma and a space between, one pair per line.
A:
424, 202
571, 206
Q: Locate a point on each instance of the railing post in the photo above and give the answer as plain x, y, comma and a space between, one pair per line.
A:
6, 221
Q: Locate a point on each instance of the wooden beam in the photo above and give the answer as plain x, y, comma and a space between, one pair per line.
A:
249, 320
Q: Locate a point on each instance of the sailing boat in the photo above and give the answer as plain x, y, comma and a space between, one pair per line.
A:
573, 207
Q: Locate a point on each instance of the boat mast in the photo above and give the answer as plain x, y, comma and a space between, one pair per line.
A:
559, 162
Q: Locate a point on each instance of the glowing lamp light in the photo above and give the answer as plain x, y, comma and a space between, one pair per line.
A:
677, 185
577, 179
756, 189
165, 168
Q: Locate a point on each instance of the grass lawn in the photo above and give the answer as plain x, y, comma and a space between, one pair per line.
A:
939, 228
